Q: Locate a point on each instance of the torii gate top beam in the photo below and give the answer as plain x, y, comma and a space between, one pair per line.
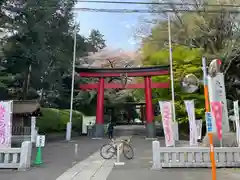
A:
117, 72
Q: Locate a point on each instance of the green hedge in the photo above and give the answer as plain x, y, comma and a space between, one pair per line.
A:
55, 120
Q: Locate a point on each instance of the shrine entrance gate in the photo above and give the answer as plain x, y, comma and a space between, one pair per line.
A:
102, 73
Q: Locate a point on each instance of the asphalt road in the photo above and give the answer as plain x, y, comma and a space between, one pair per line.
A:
57, 158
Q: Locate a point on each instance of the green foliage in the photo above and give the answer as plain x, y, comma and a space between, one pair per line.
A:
54, 120
217, 34
96, 40
36, 60
185, 61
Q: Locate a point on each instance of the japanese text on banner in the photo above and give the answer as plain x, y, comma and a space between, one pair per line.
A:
217, 114
166, 111
5, 124
209, 122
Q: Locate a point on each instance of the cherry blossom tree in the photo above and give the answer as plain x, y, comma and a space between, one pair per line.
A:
112, 58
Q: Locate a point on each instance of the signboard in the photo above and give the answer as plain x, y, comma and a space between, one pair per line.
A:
5, 124
192, 122
236, 114
217, 114
216, 87
40, 141
86, 120
209, 122
166, 112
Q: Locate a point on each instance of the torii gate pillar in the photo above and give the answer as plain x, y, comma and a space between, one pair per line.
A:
149, 108
99, 131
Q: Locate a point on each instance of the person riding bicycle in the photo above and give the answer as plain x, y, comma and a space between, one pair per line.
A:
110, 130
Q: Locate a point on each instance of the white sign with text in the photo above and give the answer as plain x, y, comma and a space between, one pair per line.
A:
40, 141
216, 88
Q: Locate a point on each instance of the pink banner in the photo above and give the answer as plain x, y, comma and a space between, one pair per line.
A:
5, 124
217, 114
166, 111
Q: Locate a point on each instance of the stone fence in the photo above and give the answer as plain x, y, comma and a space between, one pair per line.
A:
16, 158
191, 157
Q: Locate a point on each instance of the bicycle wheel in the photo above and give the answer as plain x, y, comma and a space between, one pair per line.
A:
107, 151
128, 151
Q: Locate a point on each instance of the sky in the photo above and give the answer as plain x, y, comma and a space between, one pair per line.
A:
118, 29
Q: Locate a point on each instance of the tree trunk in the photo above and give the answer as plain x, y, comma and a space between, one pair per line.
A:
26, 83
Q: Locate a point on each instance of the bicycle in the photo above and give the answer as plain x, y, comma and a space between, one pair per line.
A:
107, 151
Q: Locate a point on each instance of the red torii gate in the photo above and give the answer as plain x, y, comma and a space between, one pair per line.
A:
101, 73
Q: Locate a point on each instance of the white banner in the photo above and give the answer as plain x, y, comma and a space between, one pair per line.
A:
216, 88
166, 112
175, 130
33, 129
5, 124
199, 128
192, 122
236, 114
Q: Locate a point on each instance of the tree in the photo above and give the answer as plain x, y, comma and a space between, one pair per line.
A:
108, 58
216, 33
186, 61
37, 47
40, 46
96, 40
39, 51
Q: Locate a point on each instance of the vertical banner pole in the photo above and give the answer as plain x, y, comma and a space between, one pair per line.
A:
69, 124
176, 135
210, 135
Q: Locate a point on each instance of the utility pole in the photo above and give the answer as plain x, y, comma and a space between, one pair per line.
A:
69, 124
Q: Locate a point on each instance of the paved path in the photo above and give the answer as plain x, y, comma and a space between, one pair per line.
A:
92, 168
57, 157
140, 168
96, 168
